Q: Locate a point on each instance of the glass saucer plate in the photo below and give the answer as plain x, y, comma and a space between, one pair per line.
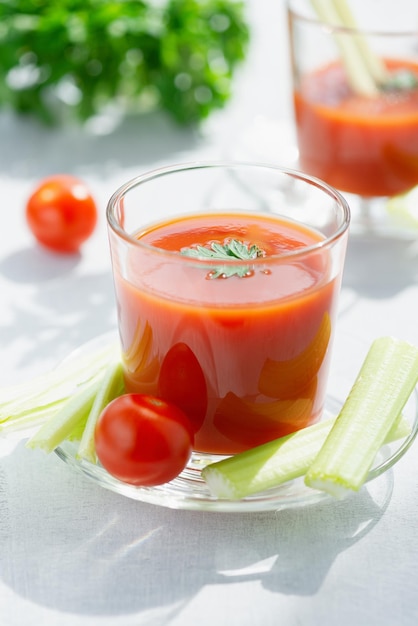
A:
189, 492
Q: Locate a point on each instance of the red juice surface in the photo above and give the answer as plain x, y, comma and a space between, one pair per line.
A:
366, 146
245, 357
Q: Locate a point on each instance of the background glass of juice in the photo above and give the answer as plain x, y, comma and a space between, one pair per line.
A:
242, 346
361, 138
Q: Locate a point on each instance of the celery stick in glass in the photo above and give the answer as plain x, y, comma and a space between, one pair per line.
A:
373, 62
380, 391
366, 71
358, 74
276, 462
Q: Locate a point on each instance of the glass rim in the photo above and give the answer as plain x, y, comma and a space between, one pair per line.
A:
160, 172
348, 30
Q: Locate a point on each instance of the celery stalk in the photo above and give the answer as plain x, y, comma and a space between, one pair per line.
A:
31, 419
111, 386
364, 70
374, 63
275, 462
32, 403
380, 391
61, 425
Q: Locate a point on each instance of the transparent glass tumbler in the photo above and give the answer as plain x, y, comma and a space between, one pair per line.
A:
355, 94
241, 343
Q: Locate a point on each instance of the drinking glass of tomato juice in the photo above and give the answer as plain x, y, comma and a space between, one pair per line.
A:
227, 278
356, 94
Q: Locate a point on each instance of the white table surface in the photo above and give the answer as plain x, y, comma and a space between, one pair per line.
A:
74, 554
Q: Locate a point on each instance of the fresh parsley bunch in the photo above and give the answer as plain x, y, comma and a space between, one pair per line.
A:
82, 55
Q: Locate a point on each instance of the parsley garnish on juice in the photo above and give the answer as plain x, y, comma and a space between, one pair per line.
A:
401, 80
231, 250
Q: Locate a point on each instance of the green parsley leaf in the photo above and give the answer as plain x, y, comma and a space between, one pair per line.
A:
401, 80
231, 250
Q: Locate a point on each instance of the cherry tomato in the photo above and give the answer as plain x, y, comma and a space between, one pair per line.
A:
183, 383
143, 440
61, 213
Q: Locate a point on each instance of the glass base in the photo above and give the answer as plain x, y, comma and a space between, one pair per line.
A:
381, 217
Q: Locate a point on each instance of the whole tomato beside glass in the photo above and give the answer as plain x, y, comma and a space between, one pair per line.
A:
143, 440
61, 213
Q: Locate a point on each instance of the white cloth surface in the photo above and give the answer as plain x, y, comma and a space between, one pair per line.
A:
74, 554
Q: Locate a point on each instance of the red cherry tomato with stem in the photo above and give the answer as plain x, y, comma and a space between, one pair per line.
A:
61, 213
143, 440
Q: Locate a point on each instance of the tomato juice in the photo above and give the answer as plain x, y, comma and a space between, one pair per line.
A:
362, 145
245, 357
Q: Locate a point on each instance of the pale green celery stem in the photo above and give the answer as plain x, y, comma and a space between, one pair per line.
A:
47, 392
30, 419
374, 63
276, 462
111, 386
365, 71
380, 391
60, 426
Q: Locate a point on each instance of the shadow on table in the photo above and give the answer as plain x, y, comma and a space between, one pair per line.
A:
66, 308
79, 549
